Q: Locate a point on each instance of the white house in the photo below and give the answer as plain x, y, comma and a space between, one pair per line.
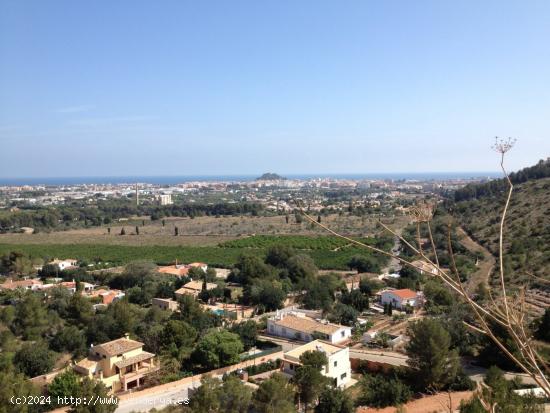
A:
400, 298
64, 264
299, 327
338, 367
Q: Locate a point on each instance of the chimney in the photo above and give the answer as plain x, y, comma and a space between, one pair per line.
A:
127, 336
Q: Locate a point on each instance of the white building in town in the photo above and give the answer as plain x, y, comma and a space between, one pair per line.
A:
338, 367
298, 326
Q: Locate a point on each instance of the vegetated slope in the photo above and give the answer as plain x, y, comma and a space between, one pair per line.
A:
527, 228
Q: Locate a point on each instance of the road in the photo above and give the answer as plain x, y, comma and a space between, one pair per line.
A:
160, 400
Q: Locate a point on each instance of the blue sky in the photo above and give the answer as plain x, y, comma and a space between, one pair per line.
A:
92, 88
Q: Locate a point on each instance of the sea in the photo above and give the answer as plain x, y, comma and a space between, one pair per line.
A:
175, 179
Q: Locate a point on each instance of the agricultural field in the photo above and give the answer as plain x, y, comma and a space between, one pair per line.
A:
327, 252
216, 241
200, 231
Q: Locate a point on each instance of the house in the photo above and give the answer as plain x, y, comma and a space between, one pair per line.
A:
29, 284
72, 286
299, 327
120, 364
65, 264
177, 270
181, 270
107, 296
338, 367
165, 304
400, 299
193, 288
164, 199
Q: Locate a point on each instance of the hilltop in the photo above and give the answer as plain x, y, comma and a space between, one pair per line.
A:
478, 208
270, 176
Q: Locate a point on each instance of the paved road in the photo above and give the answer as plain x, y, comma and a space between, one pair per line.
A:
386, 357
158, 400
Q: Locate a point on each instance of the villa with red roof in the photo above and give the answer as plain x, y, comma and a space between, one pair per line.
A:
400, 299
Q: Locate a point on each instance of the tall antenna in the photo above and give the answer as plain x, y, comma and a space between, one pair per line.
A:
137, 195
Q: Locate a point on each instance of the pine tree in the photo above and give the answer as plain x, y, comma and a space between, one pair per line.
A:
319, 219
122, 231
176, 231
137, 230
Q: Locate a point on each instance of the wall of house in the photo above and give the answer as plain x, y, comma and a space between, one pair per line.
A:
339, 367
340, 335
396, 301
286, 332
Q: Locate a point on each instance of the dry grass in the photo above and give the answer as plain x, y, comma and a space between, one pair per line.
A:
201, 231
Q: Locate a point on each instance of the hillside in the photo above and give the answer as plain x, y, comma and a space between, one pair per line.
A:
527, 229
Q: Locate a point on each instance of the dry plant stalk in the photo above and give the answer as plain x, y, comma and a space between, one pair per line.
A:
505, 310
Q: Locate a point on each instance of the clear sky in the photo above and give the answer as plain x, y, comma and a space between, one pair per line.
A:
93, 88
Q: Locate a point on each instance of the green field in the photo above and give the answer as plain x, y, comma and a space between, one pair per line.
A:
321, 249
299, 242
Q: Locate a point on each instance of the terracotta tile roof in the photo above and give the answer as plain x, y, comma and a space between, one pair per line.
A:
196, 286
87, 364
178, 270
118, 346
403, 294
136, 359
12, 285
307, 325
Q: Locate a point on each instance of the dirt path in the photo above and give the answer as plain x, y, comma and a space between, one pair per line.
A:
484, 267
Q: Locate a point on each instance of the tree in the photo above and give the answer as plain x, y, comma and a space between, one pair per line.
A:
163, 222
122, 231
309, 382
65, 384
178, 333
380, 391
301, 267
334, 401
343, 314
16, 384
316, 359
275, 395
70, 339
31, 319
248, 332
234, 396
364, 264
206, 398
137, 230
308, 377
268, 294
217, 349
34, 359
434, 364
278, 255
356, 299
318, 219
176, 231
91, 389
286, 218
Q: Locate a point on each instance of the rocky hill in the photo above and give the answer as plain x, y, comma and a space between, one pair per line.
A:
478, 208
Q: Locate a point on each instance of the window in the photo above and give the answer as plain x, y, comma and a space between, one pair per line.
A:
335, 363
343, 333
343, 376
